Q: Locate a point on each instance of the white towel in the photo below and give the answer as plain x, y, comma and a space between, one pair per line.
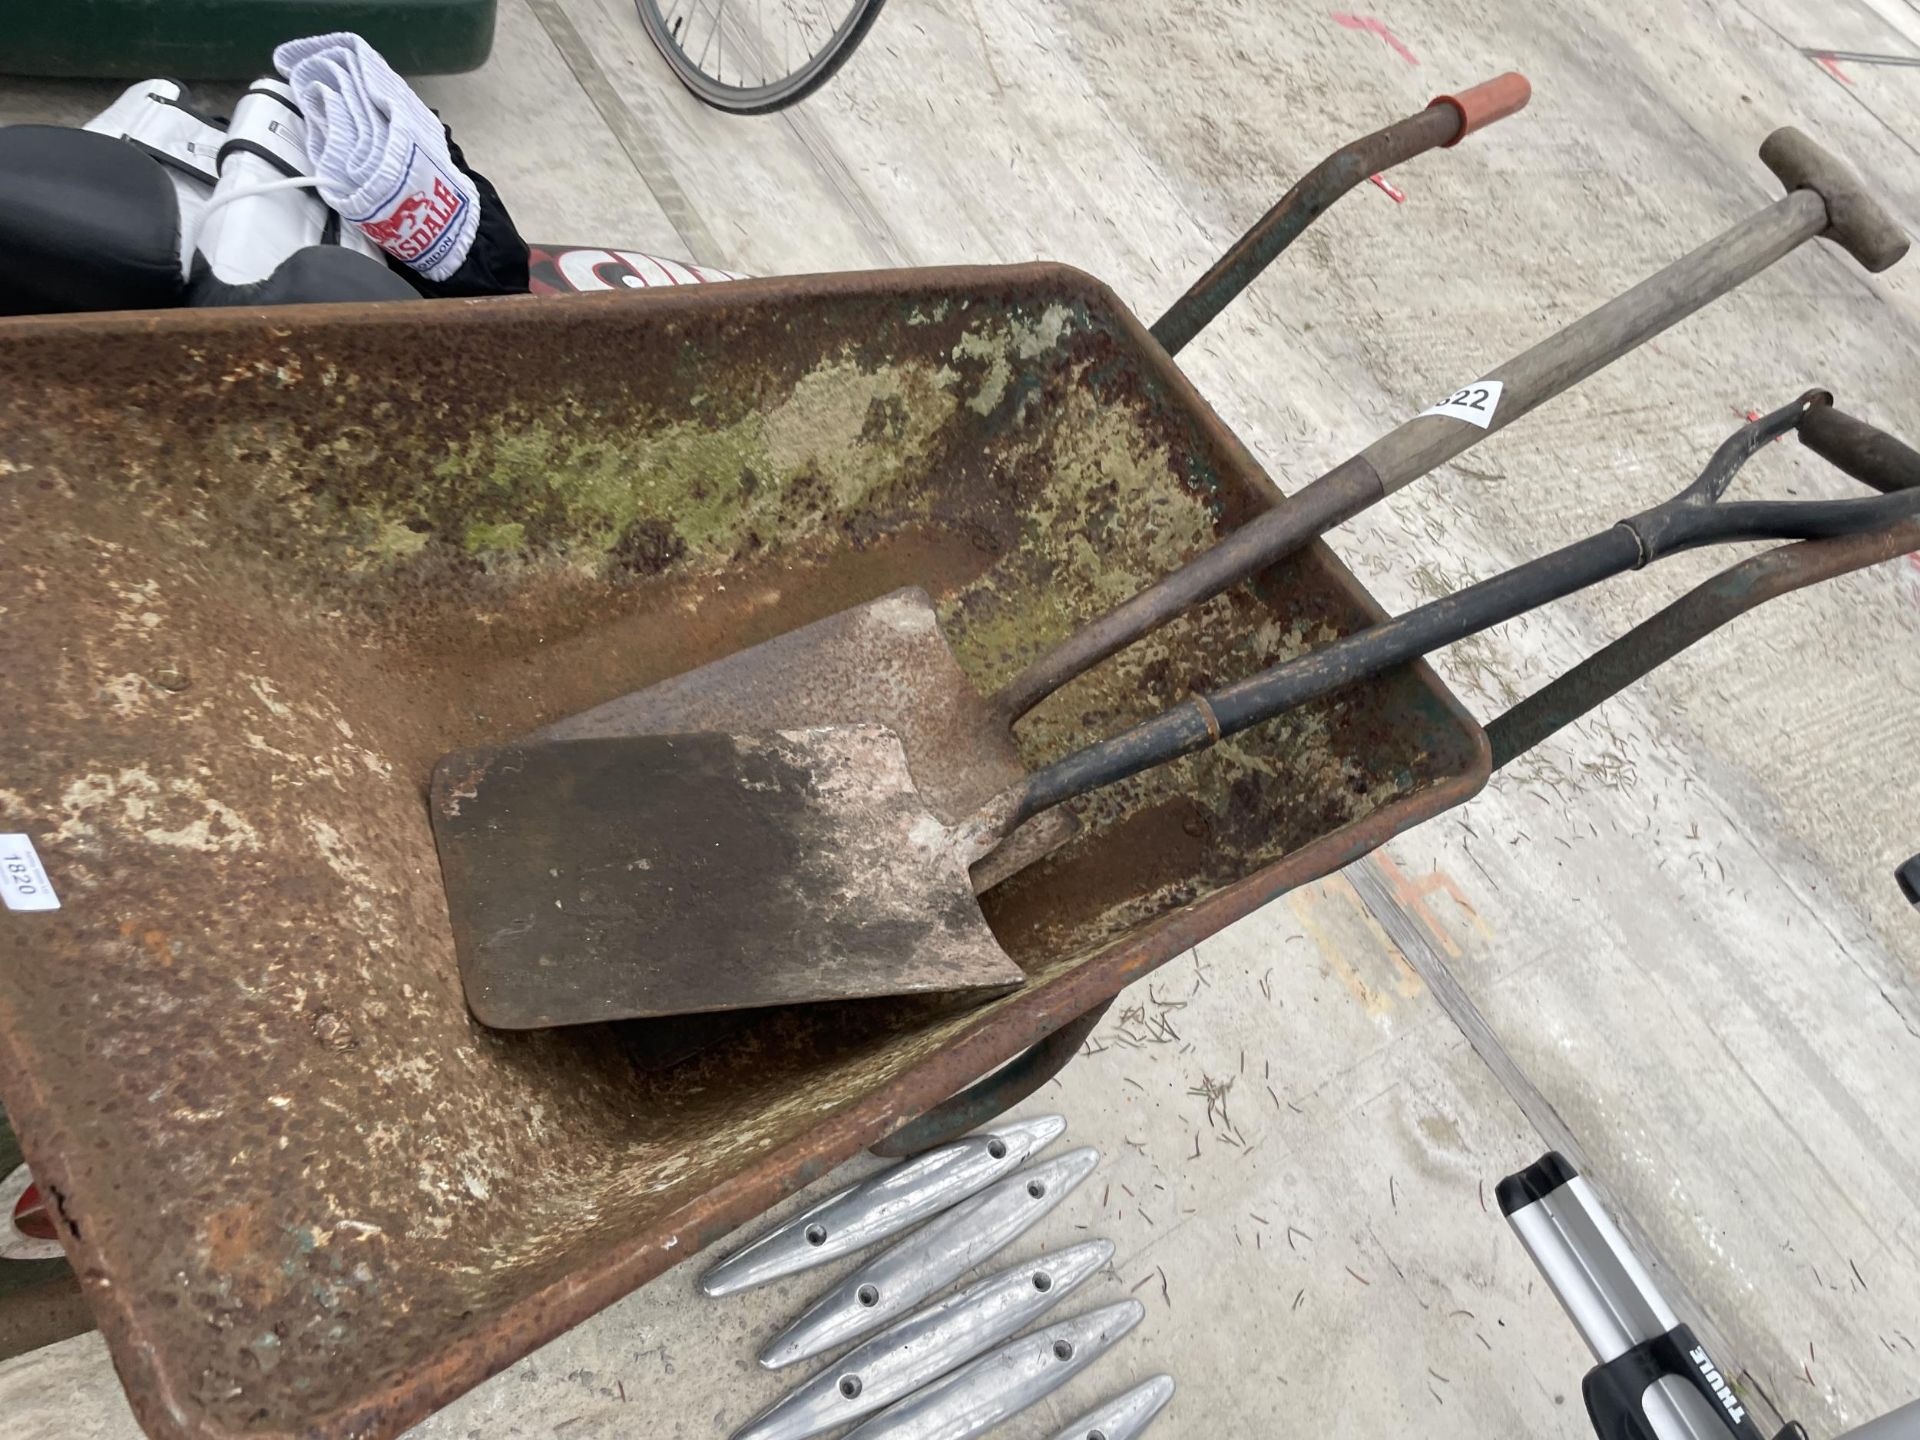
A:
264, 207
380, 154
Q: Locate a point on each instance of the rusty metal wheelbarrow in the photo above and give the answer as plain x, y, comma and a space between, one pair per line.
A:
263, 568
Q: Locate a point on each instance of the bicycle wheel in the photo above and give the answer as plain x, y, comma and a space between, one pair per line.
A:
753, 56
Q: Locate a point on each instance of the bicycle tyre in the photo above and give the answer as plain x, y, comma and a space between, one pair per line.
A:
774, 95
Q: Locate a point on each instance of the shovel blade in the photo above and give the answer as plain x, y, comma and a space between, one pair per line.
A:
881, 663
656, 875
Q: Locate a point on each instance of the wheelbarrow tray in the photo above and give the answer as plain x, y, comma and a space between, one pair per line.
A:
262, 568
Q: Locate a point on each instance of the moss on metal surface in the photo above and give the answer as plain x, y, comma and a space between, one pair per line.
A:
1099, 522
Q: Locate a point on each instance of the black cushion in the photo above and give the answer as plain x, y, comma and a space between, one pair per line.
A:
87, 222
317, 273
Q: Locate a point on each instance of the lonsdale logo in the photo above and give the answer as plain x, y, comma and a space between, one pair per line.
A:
1720, 1387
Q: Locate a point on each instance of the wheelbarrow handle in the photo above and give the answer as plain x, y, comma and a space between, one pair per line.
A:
1447, 121
1825, 199
1862, 451
1693, 518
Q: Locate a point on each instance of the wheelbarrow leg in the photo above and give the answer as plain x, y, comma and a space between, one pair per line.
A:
993, 1094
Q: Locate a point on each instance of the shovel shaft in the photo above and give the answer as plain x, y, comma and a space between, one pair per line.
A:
1595, 341
1502, 396
1204, 720
1691, 519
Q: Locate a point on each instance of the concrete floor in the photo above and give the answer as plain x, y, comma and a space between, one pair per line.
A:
1667, 940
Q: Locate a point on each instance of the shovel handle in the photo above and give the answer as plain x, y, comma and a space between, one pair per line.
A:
1858, 449
1444, 123
1825, 198
1467, 417
1856, 222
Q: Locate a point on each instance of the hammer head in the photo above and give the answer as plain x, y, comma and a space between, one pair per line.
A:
1856, 221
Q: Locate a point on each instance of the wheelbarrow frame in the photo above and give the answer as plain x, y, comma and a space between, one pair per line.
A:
83, 377
151, 1338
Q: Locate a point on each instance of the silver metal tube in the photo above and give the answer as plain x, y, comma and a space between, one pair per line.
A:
1602, 1286
1599, 1281
1614, 1304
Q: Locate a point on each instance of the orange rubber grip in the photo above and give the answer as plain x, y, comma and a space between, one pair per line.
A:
1487, 102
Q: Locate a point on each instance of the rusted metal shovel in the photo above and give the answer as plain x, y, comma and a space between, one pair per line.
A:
660, 874
887, 663
676, 874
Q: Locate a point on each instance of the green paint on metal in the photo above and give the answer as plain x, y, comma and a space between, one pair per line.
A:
488, 536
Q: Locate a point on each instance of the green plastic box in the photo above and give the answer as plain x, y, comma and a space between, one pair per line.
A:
231, 39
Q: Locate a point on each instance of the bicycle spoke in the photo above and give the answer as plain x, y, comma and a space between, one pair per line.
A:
701, 63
